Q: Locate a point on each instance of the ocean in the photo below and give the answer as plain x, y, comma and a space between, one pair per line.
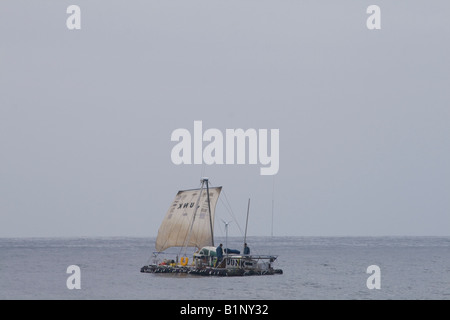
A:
314, 268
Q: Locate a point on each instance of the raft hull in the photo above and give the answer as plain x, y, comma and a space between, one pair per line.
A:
208, 271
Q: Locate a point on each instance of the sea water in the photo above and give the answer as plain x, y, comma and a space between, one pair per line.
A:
313, 268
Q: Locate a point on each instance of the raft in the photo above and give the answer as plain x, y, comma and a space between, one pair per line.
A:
207, 271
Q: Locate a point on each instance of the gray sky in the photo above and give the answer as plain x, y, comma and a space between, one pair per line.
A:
86, 115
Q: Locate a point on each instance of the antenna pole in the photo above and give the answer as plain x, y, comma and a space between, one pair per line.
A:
246, 224
226, 239
273, 192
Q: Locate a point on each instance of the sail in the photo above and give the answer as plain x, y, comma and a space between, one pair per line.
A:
187, 222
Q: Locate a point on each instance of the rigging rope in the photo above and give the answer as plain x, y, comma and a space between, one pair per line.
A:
227, 206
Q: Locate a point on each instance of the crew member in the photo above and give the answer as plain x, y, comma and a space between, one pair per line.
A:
246, 249
219, 252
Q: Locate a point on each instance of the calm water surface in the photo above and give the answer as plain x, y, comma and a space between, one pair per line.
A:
314, 268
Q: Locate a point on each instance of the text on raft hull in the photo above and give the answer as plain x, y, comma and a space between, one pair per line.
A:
234, 266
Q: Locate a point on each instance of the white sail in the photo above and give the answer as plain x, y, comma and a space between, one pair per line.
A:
187, 222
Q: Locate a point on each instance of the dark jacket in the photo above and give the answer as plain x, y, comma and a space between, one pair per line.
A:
219, 252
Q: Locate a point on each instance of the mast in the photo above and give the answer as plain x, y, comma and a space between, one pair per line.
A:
209, 211
195, 213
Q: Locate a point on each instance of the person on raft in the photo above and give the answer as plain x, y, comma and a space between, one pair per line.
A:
219, 252
246, 249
